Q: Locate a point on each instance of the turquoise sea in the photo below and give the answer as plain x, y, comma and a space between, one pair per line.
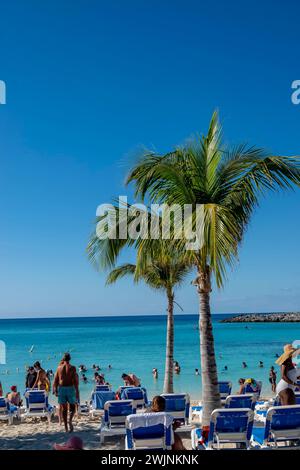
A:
137, 344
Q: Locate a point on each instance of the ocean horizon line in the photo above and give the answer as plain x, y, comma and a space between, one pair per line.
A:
151, 315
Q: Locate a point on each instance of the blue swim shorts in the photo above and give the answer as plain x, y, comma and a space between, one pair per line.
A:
66, 395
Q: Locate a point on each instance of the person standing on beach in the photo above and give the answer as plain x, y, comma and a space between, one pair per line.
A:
272, 379
289, 375
1, 390
65, 387
41, 381
30, 377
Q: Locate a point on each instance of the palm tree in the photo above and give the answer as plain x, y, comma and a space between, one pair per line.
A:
224, 186
164, 272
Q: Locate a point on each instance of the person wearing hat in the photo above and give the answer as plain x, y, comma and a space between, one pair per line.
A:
74, 443
289, 375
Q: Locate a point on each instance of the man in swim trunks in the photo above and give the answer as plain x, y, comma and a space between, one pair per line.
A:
65, 387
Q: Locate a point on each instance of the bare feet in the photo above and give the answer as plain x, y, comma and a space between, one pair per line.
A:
71, 426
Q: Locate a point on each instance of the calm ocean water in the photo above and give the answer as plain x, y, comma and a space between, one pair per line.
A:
137, 344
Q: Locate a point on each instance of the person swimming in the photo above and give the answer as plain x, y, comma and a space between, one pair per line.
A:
155, 373
177, 368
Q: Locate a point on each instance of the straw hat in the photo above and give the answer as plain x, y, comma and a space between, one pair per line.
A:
289, 351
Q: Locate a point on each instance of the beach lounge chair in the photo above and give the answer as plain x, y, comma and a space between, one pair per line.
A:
8, 411
102, 388
227, 426
137, 394
225, 390
113, 421
248, 389
147, 431
98, 400
178, 405
247, 400
37, 405
282, 425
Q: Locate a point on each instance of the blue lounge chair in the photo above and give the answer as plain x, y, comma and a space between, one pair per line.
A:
149, 431
138, 394
249, 389
227, 426
113, 421
224, 390
8, 411
102, 388
178, 405
247, 400
98, 400
282, 425
37, 405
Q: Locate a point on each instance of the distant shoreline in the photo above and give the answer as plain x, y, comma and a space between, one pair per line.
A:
283, 317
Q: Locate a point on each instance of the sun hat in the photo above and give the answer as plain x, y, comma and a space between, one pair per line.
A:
74, 443
289, 351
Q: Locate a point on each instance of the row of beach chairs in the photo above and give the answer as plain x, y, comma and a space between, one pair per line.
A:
129, 416
37, 405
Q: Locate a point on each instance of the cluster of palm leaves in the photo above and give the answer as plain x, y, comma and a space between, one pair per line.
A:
226, 184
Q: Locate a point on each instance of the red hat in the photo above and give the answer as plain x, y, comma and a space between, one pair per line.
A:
74, 443
13, 388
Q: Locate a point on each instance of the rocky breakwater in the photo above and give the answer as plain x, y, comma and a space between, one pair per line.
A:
284, 317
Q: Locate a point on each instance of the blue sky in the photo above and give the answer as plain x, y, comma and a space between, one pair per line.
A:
87, 83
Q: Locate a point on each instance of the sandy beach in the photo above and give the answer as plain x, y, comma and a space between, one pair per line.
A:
35, 434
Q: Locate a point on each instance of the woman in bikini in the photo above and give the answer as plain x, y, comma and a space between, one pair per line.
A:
41, 381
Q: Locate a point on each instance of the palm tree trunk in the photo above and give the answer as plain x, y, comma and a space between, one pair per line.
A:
168, 381
210, 390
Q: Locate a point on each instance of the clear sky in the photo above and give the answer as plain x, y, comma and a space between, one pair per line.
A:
88, 82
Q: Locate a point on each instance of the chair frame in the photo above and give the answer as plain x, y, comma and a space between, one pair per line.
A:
275, 436
41, 408
114, 425
215, 438
159, 443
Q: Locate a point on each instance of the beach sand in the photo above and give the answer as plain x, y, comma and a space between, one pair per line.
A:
35, 434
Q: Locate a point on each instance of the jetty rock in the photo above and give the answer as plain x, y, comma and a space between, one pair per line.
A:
283, 317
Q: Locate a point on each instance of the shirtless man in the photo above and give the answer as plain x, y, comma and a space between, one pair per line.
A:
65, 387
131, 380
